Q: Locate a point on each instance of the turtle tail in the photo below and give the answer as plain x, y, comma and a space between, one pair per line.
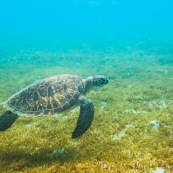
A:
7, 119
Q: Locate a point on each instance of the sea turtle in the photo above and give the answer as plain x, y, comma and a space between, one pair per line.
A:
53, 95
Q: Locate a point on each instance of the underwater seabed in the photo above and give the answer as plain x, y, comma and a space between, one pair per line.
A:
132, 129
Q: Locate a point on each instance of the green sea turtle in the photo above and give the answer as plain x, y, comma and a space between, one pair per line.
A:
53, 95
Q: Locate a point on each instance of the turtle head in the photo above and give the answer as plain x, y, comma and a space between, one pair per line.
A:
94, 82
99, 80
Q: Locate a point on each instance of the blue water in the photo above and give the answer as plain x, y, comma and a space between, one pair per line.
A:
76, 24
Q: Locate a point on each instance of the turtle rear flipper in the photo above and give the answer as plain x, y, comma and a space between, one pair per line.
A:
7, 119
85, 118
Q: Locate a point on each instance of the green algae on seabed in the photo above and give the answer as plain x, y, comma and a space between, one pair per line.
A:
120, 139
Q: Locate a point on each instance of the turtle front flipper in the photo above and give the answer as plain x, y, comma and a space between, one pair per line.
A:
7, 119
85, 118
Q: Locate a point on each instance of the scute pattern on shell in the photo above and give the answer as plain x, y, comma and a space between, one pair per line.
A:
47, 96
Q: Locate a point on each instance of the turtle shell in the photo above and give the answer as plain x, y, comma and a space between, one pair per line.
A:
48, 96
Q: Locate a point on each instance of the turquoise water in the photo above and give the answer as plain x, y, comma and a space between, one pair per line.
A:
130, 42
81, 24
